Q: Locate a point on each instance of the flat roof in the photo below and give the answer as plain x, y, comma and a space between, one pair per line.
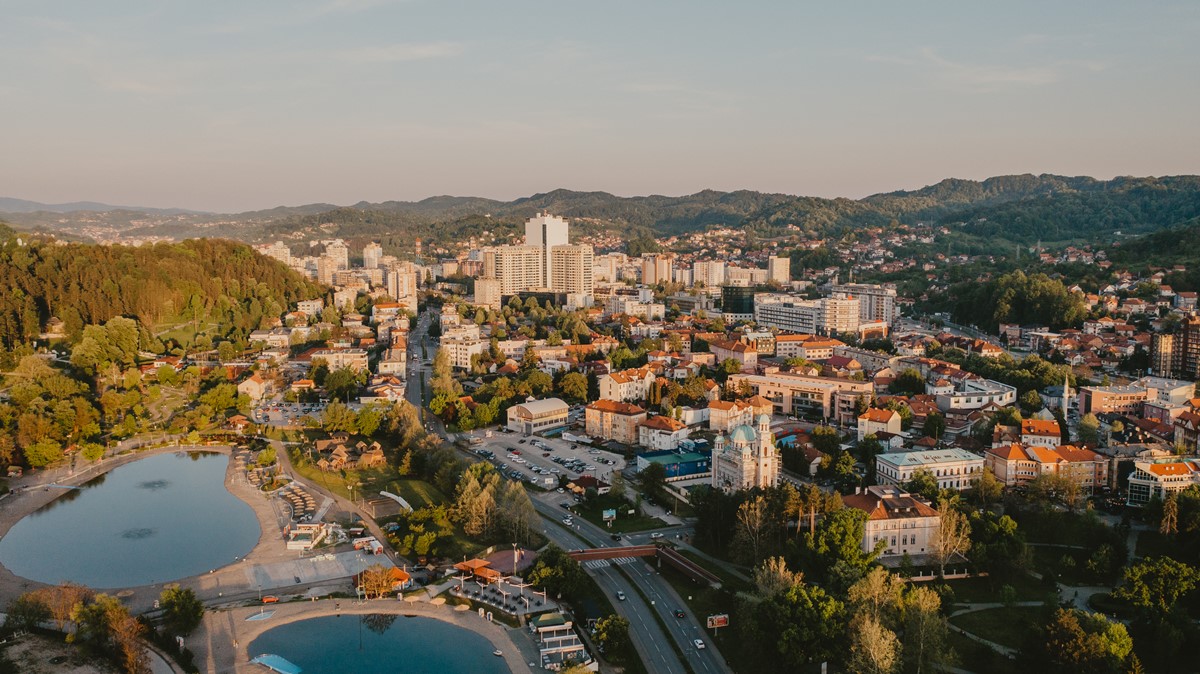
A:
928, 456
668, 456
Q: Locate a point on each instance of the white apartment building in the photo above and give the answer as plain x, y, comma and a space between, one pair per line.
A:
779, 270
339, 252
656, 268
825, 316
372, 252
743, 276
545, 231
972, 393
712, 273
875, 302
487, 292
608, 267
627, 385
517, 268
278, 250
336, 359
954, 468
461, 342
571, 269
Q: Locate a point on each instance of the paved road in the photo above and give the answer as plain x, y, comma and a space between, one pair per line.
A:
647, 636
665, 600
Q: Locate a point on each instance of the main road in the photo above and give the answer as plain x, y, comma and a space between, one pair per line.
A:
664, 601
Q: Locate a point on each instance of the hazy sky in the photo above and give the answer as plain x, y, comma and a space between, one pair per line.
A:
237, 105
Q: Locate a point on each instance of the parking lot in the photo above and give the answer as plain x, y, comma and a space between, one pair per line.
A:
542, 460
285, 414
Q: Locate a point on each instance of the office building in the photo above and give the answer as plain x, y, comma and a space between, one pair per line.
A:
517, 268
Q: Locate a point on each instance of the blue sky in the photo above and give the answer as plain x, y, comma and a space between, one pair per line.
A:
242, 105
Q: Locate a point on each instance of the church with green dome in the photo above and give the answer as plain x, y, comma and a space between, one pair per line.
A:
747, 458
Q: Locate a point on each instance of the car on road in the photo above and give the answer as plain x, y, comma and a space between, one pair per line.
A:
270, 599
655, 535
620, 595
679, 613
699, 644
568, 520
615, 537
521, 441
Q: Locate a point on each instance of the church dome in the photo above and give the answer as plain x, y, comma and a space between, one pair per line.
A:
742, 434
764, 419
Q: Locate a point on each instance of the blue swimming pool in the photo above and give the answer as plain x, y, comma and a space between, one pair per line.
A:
379, 644
155, 520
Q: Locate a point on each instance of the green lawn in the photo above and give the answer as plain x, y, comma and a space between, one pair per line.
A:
418, 493
983, 590
593, 511
1005, 626
977, 657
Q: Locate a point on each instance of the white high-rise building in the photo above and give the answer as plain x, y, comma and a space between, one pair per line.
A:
278, 250
546, 231
608, 266
779, 269
711, 273
572, 269
875, 302
517, 268
826, 316
372, 252
656, 268
326, 266
339, 252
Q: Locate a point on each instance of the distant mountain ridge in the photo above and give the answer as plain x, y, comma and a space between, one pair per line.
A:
12, 205
1016, 208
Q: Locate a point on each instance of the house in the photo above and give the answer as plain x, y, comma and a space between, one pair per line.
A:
725, 415
905, 524
745, 354
538, 416
662, 432
1038, 432
255, 387
613, 420
627, 385
875, 421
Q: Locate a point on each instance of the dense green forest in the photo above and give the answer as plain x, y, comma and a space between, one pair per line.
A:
1015, 297
984, 214
209, 280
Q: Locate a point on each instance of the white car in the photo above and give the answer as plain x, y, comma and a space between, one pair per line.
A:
655, 535
698, 644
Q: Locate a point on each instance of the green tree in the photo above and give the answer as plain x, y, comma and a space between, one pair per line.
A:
612, 632
182, 610
826, 440
1076, 641
574, 387
654, 480
26, 612
43, 453
1155, 584
1089, 430
908, 382
924, 484
338, 417
935, 425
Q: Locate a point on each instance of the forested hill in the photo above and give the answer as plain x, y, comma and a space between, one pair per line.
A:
1019, 208
207, 280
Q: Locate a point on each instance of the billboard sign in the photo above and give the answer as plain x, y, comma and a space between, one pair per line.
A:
719, 620
610, 514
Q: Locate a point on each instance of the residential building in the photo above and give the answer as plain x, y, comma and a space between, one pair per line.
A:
656, 268
571, 269
905, 524
972, 393
710, 273
627, 385
1106, 399
613, 420
1178, 354
833, 398
747, 459
487, 292
537, 416
461, 343
808, 347
372, 252
954, 468
544, 232
336, 359
779, 270
339, 252
278, 250
255, 387
875, 302
825, 316
745, 354
1040, 433
726, 415
875, 421
311, 307
517, 268
662, 432
1156, 479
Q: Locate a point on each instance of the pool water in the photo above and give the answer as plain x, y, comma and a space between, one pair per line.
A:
155, 520
379, 644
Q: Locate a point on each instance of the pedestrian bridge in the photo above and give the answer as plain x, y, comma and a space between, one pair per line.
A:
662, 553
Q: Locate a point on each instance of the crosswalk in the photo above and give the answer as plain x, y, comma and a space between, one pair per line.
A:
601, 563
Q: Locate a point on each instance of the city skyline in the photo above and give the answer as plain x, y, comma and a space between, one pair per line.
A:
236, 108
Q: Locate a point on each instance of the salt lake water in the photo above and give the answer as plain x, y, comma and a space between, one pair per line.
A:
155, 520
379, 644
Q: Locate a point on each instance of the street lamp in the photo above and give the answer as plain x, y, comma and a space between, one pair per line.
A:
514, 570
